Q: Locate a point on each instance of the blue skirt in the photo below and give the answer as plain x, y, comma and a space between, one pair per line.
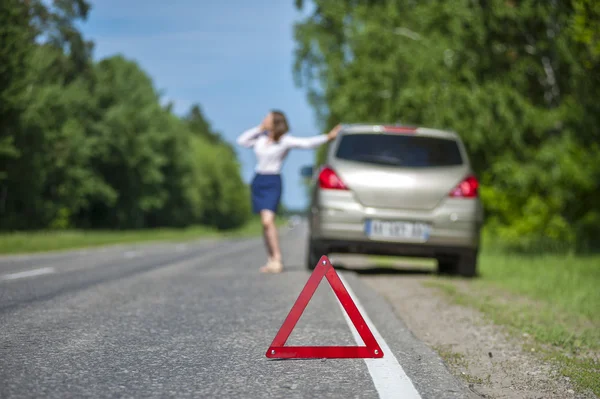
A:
266, 192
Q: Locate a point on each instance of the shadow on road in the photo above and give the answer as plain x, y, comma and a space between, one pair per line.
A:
372, 270
368, 269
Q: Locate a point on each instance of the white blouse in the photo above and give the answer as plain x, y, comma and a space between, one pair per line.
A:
270, 155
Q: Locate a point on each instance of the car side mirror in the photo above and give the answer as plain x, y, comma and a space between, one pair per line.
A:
307, 171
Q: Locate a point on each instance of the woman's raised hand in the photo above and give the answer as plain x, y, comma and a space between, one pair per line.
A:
334, 132
267, 123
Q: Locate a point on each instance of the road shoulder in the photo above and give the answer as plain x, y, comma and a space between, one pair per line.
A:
421, 364
487, 359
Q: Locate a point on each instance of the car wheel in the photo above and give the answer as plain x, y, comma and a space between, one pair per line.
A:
314, 254
447, 266
464, 265
467, 264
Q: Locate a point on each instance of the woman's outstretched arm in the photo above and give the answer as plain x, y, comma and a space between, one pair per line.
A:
306, 142
312, 142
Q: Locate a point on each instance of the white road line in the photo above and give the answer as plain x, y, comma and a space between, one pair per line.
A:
387, 374
28, 273
132, 254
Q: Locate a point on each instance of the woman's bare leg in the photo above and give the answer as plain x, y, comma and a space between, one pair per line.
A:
267, 242
271, 239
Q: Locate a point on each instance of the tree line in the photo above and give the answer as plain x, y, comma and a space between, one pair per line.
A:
87, 144
518, 80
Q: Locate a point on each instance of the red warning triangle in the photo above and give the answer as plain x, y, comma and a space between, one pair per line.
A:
280, 351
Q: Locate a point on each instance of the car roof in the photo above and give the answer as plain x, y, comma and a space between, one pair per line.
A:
397, 128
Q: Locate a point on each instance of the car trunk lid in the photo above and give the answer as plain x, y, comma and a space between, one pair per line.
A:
399, 171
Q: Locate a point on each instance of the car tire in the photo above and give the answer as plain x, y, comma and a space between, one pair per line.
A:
447, 266
464, 265
314, 253
467, 264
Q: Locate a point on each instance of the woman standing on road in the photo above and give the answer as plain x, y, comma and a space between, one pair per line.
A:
271, 145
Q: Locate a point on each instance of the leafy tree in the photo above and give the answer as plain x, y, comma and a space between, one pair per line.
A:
88, 145
129, 141
15, 49
201, 127
513, 79
184, 181
198, 124
55, 24
227, 197
586, 27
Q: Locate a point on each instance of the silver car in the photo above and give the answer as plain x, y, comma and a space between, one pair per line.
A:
396, 190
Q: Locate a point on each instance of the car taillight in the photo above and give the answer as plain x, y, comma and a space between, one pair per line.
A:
329, 180
399, 129
468, 188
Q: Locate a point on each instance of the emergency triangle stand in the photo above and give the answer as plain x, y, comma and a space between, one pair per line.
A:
278, 350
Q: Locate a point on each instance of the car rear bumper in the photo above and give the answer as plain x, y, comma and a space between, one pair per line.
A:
339, 220
465, 234
393, 249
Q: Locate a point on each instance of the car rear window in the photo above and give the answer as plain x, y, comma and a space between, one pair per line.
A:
399, 150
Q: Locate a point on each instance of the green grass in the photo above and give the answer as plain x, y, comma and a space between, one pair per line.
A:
29, 242
553, 299
394, 262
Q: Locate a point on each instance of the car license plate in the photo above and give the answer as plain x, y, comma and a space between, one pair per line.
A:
397, 230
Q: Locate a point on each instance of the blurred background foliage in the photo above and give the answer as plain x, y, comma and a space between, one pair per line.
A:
87, 144
518, 80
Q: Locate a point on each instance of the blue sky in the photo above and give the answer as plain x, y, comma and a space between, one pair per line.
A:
234, 58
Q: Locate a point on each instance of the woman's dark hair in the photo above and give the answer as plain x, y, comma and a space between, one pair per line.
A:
280, 123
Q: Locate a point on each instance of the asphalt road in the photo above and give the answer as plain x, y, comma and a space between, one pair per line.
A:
194, 320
